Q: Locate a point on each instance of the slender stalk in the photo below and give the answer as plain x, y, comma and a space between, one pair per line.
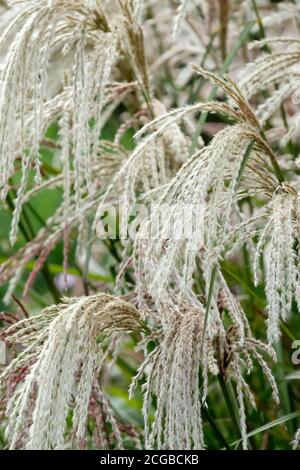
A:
215, 427
87, 260
259, 22
223, 15
229, 404
208, 303
19, 303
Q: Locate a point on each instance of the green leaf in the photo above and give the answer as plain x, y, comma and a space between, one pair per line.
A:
272, 424
293, 376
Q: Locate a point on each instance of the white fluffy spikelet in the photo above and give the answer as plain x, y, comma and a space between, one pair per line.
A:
242, 412
209, 180
282, 276
43, 29
296, 441
267, 70
138, 9
24, 69
151, 165
172, 372
91, 75
180, 353
61, 343
285, 11
235, 356
157, 157
170, 257
180, 16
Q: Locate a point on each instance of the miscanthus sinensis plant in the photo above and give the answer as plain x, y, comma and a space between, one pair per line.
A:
188, 112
